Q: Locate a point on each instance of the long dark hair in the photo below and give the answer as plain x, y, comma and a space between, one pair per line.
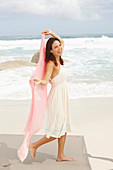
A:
49, 55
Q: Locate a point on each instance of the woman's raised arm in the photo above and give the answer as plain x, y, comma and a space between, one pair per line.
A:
49, 32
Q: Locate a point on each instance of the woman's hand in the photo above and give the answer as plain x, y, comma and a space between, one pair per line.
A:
36, 81
47, 32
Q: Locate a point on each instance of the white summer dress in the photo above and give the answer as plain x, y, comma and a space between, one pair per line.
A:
58, 113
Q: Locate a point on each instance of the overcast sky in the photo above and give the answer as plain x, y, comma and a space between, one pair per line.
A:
31, 17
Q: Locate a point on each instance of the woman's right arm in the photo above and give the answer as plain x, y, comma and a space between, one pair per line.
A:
49, 70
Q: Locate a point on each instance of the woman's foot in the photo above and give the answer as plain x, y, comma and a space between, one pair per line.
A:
33, 151
64, 158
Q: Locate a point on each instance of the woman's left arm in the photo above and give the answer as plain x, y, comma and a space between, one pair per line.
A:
56, 36
49, 32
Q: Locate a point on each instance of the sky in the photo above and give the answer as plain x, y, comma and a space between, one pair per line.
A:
64, 17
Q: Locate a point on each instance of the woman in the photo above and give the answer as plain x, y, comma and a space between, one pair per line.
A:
58, 115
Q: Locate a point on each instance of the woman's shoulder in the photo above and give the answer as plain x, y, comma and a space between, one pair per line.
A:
50, 63
65, 60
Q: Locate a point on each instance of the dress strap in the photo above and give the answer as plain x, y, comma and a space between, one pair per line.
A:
58, 62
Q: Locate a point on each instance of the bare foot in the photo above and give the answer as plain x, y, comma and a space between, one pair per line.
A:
33, 151
64, 158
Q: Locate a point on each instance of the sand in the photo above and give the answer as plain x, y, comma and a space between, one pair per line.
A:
46, 155
17, 63
92, 123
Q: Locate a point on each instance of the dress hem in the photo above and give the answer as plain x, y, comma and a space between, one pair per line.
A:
55, 136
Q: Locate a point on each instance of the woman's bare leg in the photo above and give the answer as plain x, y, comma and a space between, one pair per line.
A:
61, 143
33, 146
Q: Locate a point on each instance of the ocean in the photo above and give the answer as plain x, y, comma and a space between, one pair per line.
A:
89, 66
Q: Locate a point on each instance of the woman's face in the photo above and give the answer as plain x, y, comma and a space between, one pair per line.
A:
56, 48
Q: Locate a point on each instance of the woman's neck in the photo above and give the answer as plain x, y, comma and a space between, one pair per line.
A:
58, 59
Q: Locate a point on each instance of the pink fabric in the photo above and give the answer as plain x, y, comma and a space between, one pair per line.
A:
38, 104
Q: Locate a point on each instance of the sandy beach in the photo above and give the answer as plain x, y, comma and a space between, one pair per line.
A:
15, 64
91, 119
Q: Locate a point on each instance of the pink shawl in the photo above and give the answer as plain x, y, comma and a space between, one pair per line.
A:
38, 104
